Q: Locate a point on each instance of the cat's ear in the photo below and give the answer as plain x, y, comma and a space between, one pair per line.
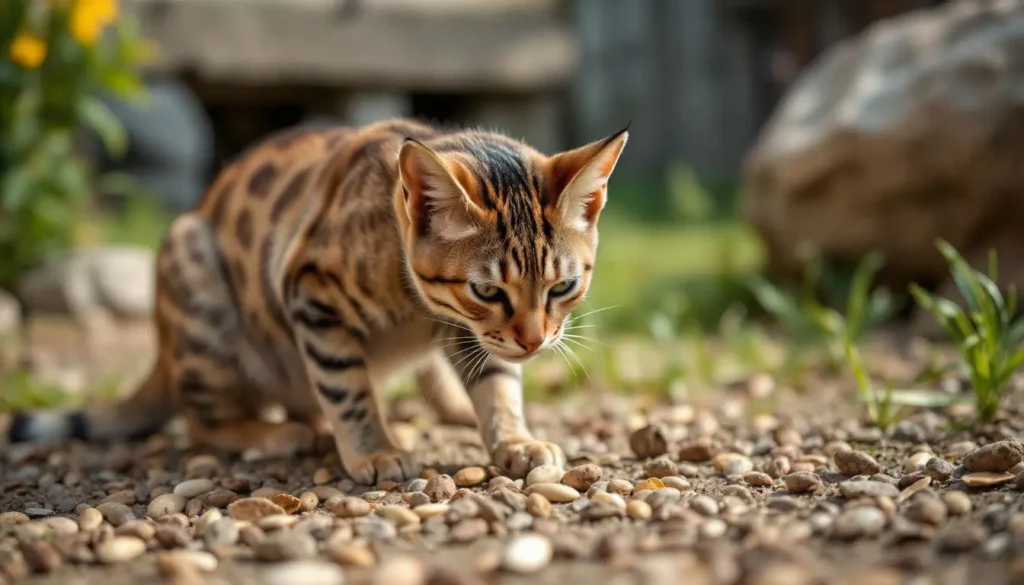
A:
434, 200
578, 179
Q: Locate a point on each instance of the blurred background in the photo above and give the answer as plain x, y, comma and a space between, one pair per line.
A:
790, 161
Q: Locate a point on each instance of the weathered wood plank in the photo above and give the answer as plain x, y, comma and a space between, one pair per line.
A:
454, 45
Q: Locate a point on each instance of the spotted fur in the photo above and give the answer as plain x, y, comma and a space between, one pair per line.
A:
324, 260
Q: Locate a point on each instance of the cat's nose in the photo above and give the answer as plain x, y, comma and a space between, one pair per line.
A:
529, 340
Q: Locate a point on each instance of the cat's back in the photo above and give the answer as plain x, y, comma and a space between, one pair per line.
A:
290, 174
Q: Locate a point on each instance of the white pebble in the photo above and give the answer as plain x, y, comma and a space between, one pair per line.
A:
544, 474
305, 572
191, 488
527, 553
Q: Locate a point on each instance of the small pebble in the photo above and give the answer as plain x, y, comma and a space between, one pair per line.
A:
430, 510
191, 488
440, 488
400, 516
119, 549
222, 532
471, 476
867, 488
308, 502
322, 476
927, 510
527, 554
998, 457
862, 521
277, 522
115, 513
166, 504
289, 503
651, 483
352, 555
758, 479
89, 519
541, 474
582, 477
200, 560
676, 482
957, 503
13, 518
660, 467
42, 556
304, 572
554, 492
285, 545
986, 479
469, 530
697, 451
648, 441
732, 463
801, 482
620, 486
537, 505
639, 510
138, 528
850, 463
252, 509
938, 469
704, 505
351, 507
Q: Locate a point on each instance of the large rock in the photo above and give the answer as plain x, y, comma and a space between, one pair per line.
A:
912, 131
119, 280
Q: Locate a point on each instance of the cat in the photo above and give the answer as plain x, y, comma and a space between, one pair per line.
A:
323, 259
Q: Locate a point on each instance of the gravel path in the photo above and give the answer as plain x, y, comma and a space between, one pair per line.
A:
720, 494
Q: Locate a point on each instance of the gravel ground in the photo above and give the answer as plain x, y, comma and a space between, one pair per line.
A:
647, 497
727, 492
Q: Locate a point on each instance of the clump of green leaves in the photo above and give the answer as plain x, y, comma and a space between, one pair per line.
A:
986, 330
811, 324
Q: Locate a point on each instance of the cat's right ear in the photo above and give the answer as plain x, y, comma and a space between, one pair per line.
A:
434, 200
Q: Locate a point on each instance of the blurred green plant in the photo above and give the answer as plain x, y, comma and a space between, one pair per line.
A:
986, 331
57, 58
810, 324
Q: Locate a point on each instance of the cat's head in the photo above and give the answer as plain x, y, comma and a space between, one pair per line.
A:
500, 238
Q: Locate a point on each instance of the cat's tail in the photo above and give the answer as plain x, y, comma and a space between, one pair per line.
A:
143, 413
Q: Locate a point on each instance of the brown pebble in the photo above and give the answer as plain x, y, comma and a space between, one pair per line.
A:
116, 514
998, 457
289, 503
350, 507
651, 483
582, 477
927, 510
758, 479
352, 555
172, 536
957, 503
648, 441
850, 463
440, 487
800, 482
660, 467
538, 506
252, 509
239, 485
42, 556
470, 476
469, 530
697, 451
308, 501
322, 476
220, 498
778, 467
638, 510
89, 519
986, 479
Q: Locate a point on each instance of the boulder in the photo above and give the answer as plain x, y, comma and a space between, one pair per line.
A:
909, 132
119, 280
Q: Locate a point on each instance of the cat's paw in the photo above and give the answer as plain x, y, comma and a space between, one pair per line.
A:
518, 456
373, 468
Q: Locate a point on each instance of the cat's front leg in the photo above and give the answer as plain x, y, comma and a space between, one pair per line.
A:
334, 356
496, 389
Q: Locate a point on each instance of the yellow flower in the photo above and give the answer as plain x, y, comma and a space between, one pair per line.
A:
28, 51
88, 17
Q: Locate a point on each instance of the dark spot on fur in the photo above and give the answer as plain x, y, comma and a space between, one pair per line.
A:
261, 180
289, 194
243, 229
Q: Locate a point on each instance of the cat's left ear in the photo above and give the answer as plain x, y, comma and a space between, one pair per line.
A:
578, 179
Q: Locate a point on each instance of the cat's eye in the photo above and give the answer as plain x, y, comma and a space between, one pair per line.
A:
486, 292
562, 288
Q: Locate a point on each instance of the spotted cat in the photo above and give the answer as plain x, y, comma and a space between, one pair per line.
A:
325, 259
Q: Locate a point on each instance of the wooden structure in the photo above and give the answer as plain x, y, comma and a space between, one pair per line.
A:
260, 64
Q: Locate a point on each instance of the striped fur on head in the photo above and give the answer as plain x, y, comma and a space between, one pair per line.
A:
501, 238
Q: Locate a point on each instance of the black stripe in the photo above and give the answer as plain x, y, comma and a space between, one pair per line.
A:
440, 279
354, 415
332, 363
332, 394
360, 396
315, 321
449, 307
